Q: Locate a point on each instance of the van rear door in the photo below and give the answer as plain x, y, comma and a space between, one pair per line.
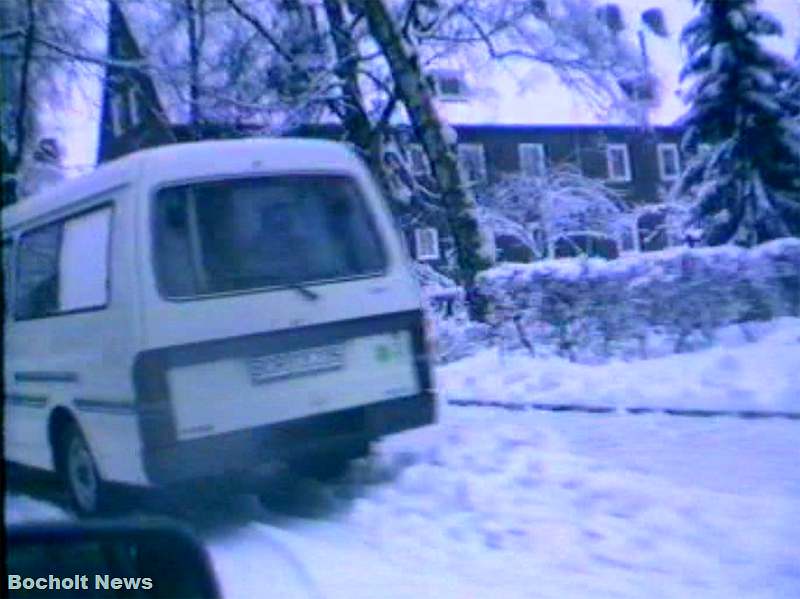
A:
279, 300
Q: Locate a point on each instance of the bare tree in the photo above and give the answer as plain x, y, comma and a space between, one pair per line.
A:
474, 248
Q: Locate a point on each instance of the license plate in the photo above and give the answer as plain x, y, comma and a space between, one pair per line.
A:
296, 363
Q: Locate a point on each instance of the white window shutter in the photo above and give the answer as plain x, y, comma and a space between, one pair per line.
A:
619, 162
532, 159
669, 166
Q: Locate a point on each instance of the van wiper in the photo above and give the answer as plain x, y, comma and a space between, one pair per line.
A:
273, 281
304, 291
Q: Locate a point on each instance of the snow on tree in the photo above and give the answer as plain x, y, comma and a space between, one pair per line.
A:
537, 211
791, 86
571, 38
238, 64
746, 190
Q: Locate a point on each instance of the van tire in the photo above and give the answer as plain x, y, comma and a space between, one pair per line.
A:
88, 493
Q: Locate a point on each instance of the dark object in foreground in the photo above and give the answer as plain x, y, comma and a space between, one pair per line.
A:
153, 558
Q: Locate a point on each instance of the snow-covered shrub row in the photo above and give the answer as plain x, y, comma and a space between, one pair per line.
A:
450, 332
611, 307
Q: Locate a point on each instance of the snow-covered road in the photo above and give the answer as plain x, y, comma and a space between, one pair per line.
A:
494, 503
498, 504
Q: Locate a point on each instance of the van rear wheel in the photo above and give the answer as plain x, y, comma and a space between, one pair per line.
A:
87, 492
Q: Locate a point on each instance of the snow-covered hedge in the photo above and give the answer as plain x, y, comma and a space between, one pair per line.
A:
611, 307
450, 331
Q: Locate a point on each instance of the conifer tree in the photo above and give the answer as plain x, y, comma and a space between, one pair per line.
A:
746, 188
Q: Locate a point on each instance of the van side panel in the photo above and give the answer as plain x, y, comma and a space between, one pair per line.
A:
80, 361
109, 416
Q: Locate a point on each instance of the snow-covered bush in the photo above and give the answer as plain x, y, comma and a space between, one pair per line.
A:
585, 307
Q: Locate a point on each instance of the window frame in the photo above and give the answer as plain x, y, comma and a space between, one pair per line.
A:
60, 221
456, 75
477, 146
660, 152
116, 109
426, 169
541, 158
134, 106
431, 256
627, 176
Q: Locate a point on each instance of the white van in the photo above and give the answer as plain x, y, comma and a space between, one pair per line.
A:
198, 310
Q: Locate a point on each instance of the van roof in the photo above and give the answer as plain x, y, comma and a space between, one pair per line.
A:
176, 162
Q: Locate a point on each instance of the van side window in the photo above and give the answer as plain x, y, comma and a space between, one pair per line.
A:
37, 272
63, 266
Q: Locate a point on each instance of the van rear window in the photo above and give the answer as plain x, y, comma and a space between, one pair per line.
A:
244, 234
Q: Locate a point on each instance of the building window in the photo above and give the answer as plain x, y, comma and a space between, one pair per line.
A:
532, 160
473, 162
619, 162
117, 111
450, 85
418, 160
668, 162
426, 243
134, 110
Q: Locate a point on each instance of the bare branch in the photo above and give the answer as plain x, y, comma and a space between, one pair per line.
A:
261, 28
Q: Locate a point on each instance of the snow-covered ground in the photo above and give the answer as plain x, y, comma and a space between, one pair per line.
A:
495, 503
734, 375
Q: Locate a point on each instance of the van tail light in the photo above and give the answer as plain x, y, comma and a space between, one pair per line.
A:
423, 350
428, 335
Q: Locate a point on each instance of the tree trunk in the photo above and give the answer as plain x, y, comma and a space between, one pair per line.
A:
15, 145
358, 127
194, 64
474, 248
